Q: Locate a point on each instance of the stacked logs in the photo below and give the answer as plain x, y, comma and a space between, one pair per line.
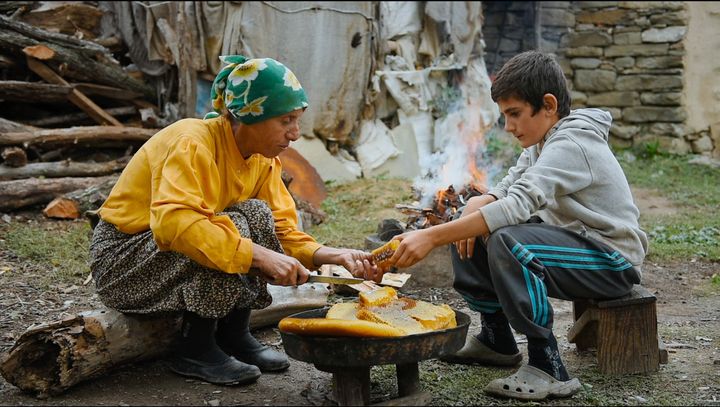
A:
72, 115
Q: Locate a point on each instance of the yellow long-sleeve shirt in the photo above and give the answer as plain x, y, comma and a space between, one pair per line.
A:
183, 176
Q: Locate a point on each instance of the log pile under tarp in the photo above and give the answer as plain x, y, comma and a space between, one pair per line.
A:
72, 113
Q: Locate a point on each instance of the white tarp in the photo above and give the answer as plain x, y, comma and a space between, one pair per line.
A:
328, 47
358, 61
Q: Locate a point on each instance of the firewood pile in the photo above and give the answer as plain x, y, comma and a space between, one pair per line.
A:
74, 107
444, 206
71, 110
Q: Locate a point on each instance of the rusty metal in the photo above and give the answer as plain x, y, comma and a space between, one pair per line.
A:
329, 351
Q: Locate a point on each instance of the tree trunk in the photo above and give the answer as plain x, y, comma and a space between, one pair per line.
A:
50, 358
59, 169
73, 135
83, 60
18, 193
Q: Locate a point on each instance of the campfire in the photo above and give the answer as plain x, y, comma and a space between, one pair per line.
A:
444, 205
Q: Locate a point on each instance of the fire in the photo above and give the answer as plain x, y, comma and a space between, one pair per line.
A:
461, 147
443, 208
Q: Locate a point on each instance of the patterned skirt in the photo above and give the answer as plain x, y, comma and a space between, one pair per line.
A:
133, 276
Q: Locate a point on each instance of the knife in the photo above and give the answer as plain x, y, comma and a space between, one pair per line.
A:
334, 280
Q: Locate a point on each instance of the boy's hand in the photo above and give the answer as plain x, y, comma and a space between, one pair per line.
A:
466, 247
414, 246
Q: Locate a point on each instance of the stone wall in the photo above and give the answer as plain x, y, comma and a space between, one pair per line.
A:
508, 29
625, 57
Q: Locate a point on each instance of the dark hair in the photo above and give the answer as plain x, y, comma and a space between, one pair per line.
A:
529, 76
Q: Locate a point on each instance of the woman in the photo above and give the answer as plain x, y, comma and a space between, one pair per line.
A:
200, 221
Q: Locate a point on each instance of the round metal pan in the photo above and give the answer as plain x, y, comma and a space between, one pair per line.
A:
361, 351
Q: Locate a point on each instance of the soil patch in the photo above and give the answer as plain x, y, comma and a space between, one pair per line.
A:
688, 323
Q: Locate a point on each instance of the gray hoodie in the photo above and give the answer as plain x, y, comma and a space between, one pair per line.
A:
576, 183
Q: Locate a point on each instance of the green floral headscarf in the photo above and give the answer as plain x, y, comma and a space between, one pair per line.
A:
253, 90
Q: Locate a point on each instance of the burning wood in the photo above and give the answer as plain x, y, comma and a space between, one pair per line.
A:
444, 205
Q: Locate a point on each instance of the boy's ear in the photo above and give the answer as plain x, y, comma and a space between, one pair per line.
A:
550, 103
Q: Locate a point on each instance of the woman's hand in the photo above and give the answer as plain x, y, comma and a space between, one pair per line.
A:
278, 268
357, 262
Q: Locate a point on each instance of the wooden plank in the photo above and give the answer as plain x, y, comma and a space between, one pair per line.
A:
588, 337
75, 96
622, 350
638, 295
663, 352
585, 321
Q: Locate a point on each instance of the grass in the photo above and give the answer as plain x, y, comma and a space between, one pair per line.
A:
61, 249
354, 210
694, 229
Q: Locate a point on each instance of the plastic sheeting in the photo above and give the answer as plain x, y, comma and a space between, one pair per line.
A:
392, 56
328, 47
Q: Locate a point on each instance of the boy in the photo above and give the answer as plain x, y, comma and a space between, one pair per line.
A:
561, 224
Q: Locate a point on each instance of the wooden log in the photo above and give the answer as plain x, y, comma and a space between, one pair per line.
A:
19, 193
59, 169
33, 92
14, 157
73, 135
77, 203
106, 91
84, 60
74, 117
75, 96
50, 358
9, 126
7, 62
68, 19
7, 6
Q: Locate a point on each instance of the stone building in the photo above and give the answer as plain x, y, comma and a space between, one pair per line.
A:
653, 64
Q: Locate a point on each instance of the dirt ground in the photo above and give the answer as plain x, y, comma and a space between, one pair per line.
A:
688, 323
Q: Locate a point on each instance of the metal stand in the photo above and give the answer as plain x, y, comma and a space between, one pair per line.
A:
351, 385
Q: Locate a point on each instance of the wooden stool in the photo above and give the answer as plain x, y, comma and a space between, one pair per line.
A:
624, 331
